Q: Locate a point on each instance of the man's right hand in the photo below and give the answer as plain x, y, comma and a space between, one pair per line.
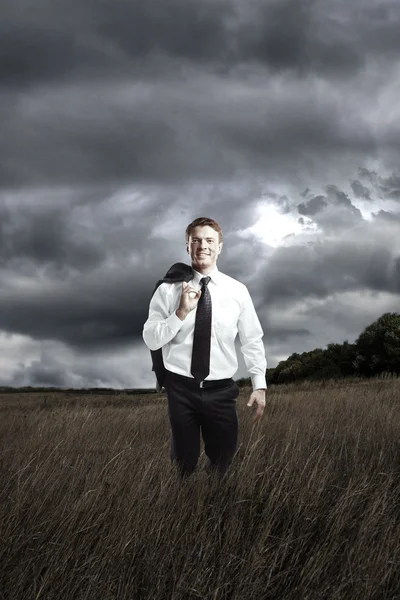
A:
189, 299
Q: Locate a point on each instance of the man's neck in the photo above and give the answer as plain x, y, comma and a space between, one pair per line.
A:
205, 271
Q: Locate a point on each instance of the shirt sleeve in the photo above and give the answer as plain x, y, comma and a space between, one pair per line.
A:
252, 347
161, 326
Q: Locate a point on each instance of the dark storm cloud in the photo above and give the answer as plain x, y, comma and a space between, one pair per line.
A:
32, 53
43, 237
389, 216
331, 211
159, 132
313, 206
73, 39
341, 198
83, 137
387, 188
360, 190
72, 231
327, 268
116, 92
85, 312
295, 35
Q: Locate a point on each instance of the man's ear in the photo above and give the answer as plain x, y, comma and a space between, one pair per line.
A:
187, 248
220, 247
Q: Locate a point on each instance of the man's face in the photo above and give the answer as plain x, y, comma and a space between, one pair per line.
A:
203, 247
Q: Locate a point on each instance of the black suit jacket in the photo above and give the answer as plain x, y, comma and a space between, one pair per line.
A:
178, 272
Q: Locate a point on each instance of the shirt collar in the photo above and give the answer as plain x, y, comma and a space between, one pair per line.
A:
214, 274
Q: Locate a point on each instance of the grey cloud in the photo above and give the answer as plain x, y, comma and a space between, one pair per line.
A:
72, 39
301, 36
63, 233
333, 211
86, 313
85, 139
389, 216
238, 260
313, 206
175, 123
75, 40
36, 53
281, 201
393, 181
340, 197
43, 237
385, 187
79, 371
46, 371
194, 31
284, 334
360, 190
327, 268
380, 28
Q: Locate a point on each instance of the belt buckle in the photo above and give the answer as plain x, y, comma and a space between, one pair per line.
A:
202, 384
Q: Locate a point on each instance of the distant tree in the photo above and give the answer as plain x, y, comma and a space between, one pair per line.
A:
243, 382
343, 357
269, 374
334, 362
378, 347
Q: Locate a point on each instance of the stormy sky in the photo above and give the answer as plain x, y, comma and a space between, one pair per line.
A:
122, 120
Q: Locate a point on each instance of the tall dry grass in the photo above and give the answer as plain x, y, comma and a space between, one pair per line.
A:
91, 508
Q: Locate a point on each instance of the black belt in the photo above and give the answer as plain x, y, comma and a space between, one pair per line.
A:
206, 384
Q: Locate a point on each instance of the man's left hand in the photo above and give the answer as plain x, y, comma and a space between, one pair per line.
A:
257, 397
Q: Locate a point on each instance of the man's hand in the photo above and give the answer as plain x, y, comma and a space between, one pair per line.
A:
189, 299
258, 397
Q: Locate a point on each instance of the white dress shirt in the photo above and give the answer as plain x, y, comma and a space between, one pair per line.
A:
233, 312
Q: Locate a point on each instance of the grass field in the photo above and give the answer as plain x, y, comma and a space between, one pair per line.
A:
91, 508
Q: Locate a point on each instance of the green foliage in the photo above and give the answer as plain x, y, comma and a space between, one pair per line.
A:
378, 347
244, 382
333, 363
376, 351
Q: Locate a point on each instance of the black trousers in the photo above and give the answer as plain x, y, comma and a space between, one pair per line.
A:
211, 411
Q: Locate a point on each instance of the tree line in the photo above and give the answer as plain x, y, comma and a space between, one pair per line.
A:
376, 351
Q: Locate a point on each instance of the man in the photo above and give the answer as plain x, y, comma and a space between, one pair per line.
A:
195, 323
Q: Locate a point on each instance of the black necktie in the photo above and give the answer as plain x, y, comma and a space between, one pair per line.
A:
202, 334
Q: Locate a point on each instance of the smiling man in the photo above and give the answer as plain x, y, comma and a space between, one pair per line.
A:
196, 323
